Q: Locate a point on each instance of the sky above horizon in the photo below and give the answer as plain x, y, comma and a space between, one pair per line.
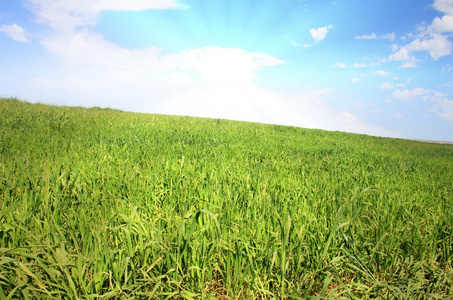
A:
375, 67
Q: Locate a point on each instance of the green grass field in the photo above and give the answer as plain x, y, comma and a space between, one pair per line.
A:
104, 204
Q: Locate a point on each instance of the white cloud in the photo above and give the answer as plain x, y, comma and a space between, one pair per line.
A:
64, 15
340, 65
205, 71
404, 55
390, 36
230, 68
437, 46
387, 85
134, 5
95, 69
445, 6
295, 44
355, 79
409, 64
445, 109
15, 32
428, 38
87, 48
320, 33
363, 65
401, 54
442, 106
372, 36
222, 65
408, 94
443, 25
382, 73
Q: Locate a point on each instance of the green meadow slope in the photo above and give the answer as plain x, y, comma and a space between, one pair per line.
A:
104, 204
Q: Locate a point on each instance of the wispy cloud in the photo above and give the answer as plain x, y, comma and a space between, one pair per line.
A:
409, 94
371, 36
63, 15
390, 85
442, 106
305, 46
382, 72
387, 85
389, 36
409, 64
362, 65
15, 32
374, 36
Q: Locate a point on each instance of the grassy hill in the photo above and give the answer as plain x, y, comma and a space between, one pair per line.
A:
104, 204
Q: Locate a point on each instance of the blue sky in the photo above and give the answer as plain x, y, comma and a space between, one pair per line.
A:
375, 67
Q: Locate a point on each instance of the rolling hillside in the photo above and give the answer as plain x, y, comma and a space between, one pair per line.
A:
104, 204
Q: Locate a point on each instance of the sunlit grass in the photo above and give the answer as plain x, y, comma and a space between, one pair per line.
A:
102, 204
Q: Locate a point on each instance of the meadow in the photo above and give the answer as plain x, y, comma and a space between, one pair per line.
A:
104, 204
